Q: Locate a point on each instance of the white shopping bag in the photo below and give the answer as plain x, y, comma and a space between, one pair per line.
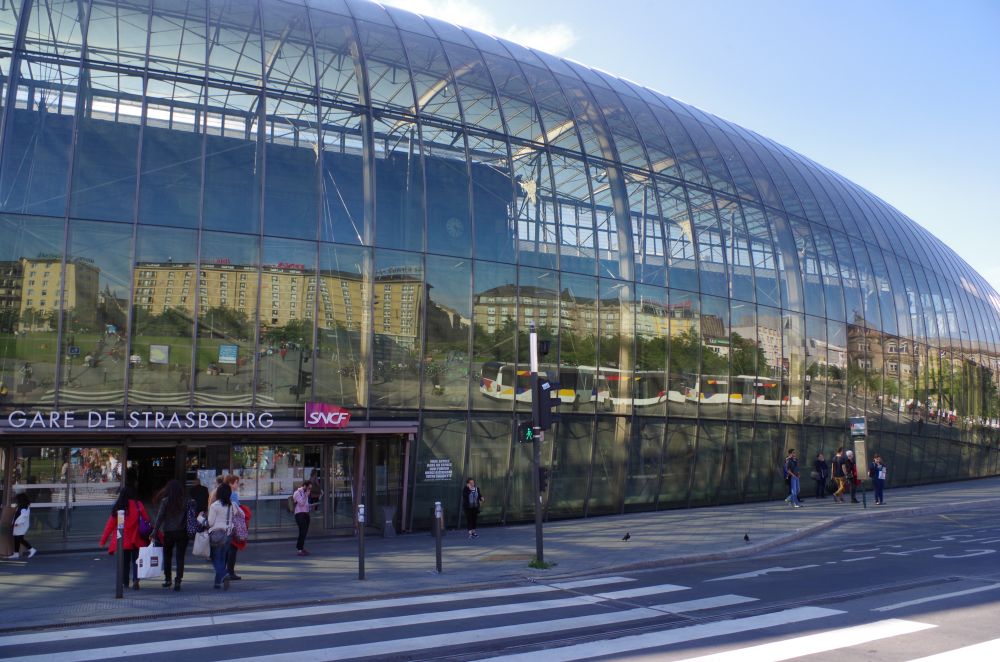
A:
202, 548
150, 562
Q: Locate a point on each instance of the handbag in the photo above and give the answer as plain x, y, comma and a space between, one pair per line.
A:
218, 537
240, 532
202, 547
191, 521
145, 526
814, 474
150, 562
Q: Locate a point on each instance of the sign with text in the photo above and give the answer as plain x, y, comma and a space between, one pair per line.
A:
858, 425
323, 415
228, 353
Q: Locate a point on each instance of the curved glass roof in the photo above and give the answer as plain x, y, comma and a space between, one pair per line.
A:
353, 71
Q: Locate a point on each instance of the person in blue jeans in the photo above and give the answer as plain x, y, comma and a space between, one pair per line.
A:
877, 472
792, 471
220, 518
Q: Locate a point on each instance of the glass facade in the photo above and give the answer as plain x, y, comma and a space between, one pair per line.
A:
249, 204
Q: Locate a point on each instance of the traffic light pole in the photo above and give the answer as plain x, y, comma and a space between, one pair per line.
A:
536, 448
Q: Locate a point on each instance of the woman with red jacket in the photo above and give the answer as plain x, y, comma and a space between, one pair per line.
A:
131, 540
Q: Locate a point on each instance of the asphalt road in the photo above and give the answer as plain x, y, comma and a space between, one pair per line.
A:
881, 591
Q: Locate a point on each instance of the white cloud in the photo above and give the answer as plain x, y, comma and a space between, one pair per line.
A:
552, 38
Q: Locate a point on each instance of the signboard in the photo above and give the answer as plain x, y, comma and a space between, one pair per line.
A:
228, 353
858, 426
137, 420
438, 470
74, 350
323, 415
159, 354
861, 458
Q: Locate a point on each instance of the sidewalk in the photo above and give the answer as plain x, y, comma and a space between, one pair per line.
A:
64, 589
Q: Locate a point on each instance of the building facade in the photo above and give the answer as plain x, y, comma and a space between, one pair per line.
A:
217, 211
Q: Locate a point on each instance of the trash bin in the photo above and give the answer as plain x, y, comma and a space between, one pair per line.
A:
388, 515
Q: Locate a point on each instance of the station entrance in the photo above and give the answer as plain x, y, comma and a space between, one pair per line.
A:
72, 488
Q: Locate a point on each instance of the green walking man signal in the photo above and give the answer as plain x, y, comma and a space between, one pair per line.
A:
526, 433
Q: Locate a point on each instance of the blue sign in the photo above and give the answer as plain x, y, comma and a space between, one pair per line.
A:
74, 350
228, 353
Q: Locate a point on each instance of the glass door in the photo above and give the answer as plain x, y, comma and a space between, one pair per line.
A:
384, 480
341, 500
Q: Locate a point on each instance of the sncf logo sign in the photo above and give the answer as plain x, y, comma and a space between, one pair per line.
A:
323, 415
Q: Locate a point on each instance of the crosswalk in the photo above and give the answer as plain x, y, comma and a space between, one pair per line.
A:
574, 620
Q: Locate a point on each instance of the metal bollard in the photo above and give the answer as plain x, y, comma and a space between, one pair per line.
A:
119, 543
361, 541
438, 517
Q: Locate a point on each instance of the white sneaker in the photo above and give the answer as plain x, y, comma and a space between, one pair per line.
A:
32, 552
15, 555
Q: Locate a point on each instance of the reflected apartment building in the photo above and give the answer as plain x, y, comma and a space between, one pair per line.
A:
244, 209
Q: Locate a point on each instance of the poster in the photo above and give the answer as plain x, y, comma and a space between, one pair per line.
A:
228, 353
159, 354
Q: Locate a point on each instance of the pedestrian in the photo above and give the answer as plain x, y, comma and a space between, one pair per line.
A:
171, 523
303, 506
792, 471
234, 484
821, 473
472, 499
838, 475
20, 526
877, 472
131, 539
221, 516
788, 480
200, 495
851, 475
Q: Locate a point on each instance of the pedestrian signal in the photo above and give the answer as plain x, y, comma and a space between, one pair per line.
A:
526, 434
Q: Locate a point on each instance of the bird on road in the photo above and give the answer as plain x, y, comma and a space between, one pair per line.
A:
627, 536
746, 538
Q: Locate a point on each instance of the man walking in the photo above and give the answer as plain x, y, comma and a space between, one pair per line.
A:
792, 471
851, 475
838, 476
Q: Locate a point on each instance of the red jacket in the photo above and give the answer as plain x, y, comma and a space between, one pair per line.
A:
130, 536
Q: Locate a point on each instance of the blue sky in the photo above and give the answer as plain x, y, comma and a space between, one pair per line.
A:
901, 97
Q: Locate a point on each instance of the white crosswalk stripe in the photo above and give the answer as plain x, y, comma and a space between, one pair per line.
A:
822, 642
668, 637
318, 610
987, 650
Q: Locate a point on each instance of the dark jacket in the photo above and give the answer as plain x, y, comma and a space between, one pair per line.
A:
822, 468
171, 522
200, 495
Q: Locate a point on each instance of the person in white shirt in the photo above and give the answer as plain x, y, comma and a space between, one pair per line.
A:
22, 522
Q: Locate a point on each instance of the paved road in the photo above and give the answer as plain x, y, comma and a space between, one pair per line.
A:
883, 590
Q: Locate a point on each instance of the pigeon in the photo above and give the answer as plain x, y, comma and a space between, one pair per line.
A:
746, 538
627, 536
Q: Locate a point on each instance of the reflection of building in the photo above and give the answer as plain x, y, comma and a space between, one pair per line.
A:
40, 291
11, 276
287, 294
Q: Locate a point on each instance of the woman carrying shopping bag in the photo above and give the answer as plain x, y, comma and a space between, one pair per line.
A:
131, 538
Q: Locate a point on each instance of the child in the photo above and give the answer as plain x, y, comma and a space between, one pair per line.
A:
22, 522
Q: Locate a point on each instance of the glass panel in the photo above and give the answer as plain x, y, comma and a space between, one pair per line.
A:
642, 480
398, 303
494, 335
711, 250
344, 320
611, 454
772, 388
489, 455
538, 306
578, 342
287, 312
71, 489
715, 353
576, 216
652, 333
747, 364
163, 316
536, 204
446, 357
270, 474
685, 385
711, 453
449, 221
95, 295
232, 162
817, 367
28, 354
442, 446
682, 266
227, 293
343, 485
493, 202
678, 459
617, 351
291, 189
399, 186
793, 365
573, 444
763, 256
736, 461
